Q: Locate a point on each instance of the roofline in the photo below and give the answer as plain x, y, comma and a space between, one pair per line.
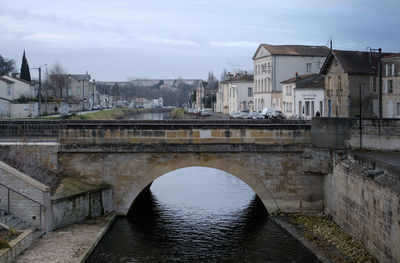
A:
21, 80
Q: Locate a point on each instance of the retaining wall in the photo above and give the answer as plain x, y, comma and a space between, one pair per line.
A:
76, 208
18, 204
366, 207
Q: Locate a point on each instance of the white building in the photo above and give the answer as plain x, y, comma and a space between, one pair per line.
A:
239, 93
20, 87
273, 64
13, 89
308, 91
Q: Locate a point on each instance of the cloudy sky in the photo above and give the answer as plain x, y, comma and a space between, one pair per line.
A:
121, 39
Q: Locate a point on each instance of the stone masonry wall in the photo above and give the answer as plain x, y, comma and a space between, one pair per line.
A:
21, 206
344, 133
76, 208
366, 208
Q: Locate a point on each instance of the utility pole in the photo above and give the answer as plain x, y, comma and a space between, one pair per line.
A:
380, 81
40, 88
40, 91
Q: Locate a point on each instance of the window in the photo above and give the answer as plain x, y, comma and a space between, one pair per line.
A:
398, 108
249, 92
9, 89
387, 70
373, 84
339, 82
392, 69
69, 92
308, 67
390, 86
307, 108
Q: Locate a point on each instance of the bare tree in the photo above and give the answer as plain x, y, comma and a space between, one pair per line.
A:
58, 80
211, 77
6, 66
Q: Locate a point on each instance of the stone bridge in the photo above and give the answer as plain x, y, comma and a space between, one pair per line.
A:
275, 159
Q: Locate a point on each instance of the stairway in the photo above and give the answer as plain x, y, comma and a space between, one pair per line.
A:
12, 221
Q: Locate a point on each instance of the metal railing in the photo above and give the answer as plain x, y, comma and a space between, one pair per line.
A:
30, 199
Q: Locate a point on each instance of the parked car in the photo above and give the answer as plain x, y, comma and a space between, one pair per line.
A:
243, 115
234, 115
277, 114
206, 112
257, 115
266, 112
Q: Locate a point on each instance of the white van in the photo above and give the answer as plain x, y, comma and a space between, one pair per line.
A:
266, 112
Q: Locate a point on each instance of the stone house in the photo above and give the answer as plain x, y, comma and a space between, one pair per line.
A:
206, 91
346, 73
76, 89
391, 86
276, 63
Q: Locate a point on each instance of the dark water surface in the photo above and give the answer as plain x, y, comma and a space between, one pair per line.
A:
151, 116
198, 214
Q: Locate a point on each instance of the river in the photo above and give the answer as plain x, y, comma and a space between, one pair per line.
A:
198, 214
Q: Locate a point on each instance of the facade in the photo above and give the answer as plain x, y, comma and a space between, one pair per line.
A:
206, 94
303, 96
75, 89
391, 86
273, 64
19, 88
288, 94
309, 97
240, 92
351, 80
12, 89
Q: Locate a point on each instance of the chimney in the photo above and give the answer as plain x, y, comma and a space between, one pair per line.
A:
297, 75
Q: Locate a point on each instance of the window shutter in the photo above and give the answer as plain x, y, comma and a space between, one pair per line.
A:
386, 86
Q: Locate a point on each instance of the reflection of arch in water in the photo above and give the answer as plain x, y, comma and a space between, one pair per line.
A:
240, 171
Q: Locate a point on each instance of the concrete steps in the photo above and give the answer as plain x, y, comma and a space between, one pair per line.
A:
10, 220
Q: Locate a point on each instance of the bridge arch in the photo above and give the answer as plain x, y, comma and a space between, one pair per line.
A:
242, 168
243, 173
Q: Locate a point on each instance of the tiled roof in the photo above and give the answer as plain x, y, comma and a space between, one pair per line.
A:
18, 79
392, 56
6, 80
297, 50
297, 78
354, 62
314, 81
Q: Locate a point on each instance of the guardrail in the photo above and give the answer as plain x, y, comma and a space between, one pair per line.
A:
30, 199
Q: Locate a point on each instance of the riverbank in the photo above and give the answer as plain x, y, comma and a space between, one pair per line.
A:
324, 238
70, 244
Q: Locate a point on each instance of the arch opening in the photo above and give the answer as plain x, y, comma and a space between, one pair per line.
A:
222, 188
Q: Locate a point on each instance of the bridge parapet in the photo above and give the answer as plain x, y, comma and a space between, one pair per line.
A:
184, 135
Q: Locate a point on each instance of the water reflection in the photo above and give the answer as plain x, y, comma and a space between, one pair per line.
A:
151, 116
198, 215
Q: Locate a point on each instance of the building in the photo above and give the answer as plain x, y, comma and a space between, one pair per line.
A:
17, 98
351, 78
276, 63
75, 89
288, 94
240, 92
222, 103
391, 86
206, 94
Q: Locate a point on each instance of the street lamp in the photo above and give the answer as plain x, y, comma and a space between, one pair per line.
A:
40, 88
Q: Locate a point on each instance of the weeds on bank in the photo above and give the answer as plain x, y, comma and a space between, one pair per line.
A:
322, 226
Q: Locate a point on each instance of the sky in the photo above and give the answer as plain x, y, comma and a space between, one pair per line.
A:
120, 39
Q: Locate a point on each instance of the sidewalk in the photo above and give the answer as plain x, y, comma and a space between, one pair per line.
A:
65, 245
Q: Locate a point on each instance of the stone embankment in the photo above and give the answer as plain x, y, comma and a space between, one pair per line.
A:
324, 238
